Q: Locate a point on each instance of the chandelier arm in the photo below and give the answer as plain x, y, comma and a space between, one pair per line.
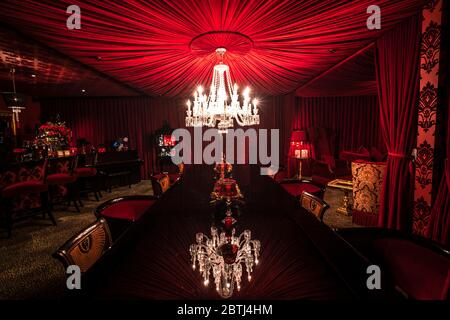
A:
239, 120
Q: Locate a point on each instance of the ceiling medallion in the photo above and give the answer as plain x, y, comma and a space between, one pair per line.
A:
235, 42
215, 108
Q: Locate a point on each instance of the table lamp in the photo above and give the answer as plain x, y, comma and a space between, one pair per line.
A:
299, 149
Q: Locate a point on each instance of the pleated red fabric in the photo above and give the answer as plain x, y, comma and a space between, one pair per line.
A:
397, 70
168, 47
354, 120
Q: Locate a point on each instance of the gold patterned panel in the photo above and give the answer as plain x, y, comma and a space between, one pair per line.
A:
367, 186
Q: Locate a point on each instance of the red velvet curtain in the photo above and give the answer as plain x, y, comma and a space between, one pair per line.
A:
276, 112
439, 227
103, 120
397, 70
353, 120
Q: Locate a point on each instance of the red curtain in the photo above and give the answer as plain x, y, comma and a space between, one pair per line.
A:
103, 120
439, 227
397, 70
276, 112
353, 120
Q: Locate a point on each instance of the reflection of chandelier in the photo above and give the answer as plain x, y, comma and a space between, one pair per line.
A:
13, 100
207, 110
224, 257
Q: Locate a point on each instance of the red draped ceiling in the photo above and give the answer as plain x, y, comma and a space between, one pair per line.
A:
352, 77
166, 47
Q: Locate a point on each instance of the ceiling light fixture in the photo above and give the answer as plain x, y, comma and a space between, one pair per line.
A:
215, 108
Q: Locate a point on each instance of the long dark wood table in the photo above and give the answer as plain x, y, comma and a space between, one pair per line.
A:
300, 257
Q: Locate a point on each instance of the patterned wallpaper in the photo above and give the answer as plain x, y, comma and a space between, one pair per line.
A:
428, 102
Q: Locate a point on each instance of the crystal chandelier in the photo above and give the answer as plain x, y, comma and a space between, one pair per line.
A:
224, 257
216, 108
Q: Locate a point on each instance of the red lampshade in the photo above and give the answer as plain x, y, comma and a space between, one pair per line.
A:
299, 147
298, 136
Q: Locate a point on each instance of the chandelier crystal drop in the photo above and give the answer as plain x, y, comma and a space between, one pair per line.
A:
223, 257
221, 107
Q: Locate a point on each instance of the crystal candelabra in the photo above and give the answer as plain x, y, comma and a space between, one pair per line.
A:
224, 257
215, 108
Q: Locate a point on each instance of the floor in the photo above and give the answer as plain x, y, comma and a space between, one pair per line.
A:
27, 269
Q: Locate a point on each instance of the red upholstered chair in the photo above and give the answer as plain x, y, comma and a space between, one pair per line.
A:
62, 181
24, 193
121, 212
416, 267
130, 208
280, 176
350, 156
297, 187
86, 173
325, 166
160, 184
174, 177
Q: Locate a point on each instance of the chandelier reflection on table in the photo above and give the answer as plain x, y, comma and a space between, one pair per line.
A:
216, 108
223, 257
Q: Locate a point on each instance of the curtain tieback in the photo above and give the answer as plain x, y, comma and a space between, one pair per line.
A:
397, 155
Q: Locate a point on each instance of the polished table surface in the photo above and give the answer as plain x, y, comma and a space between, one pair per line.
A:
300, 257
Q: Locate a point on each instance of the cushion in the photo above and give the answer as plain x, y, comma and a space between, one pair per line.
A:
296, 189
23, 188
420, 272
376, 155
85, 172
280, 176
173, 177
60, 178
130, 210
362, 153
